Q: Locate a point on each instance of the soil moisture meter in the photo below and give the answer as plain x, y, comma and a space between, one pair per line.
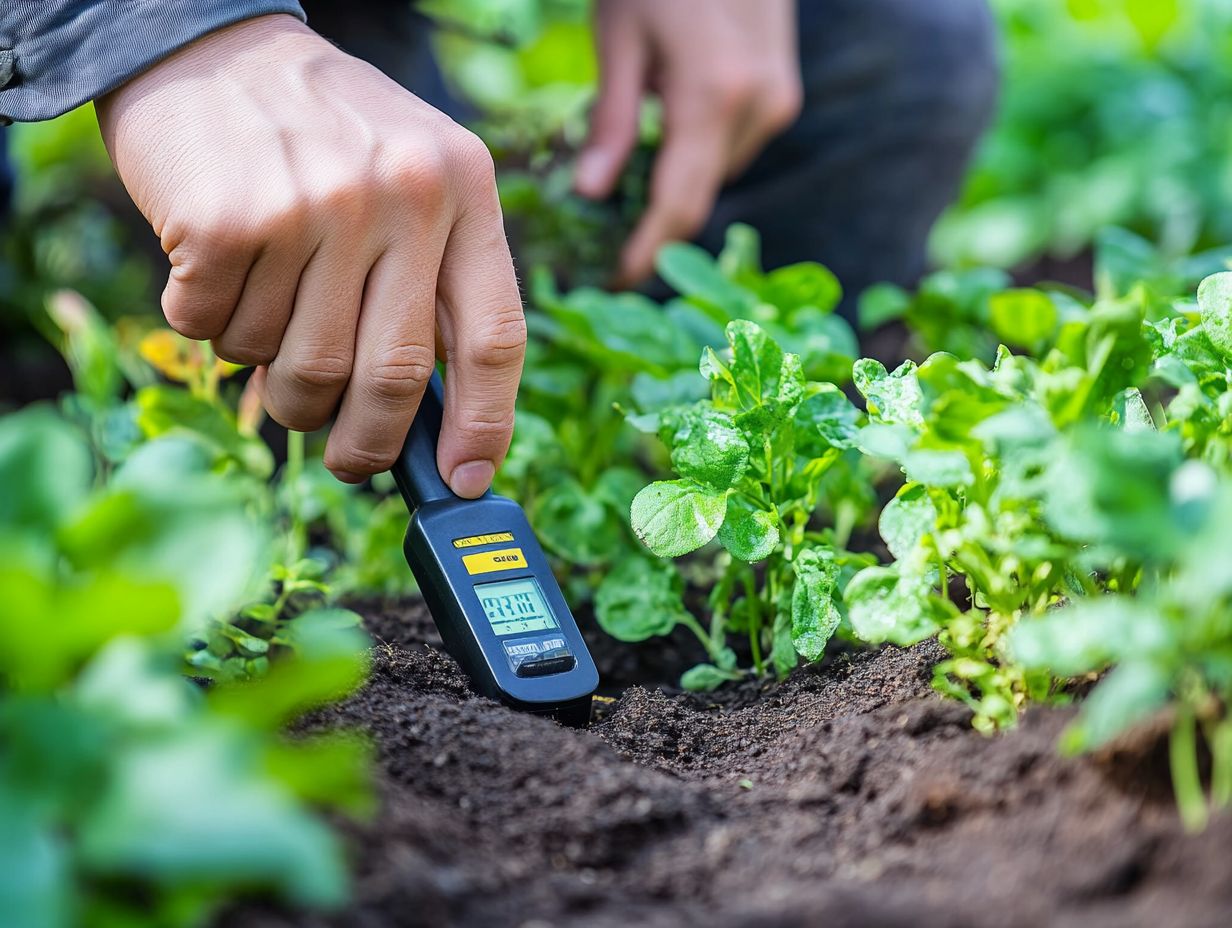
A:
488, 586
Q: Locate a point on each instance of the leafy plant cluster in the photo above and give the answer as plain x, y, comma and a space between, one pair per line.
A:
136, 383
1060, 514
596, 357
753, 462
128, 794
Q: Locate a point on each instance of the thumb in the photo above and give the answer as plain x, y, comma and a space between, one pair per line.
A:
615, 117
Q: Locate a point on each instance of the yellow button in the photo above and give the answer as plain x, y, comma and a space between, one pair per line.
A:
489, 561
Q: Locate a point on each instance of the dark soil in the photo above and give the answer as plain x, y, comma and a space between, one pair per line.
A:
850, 795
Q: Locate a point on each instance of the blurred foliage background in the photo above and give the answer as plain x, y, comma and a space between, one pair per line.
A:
1113, 112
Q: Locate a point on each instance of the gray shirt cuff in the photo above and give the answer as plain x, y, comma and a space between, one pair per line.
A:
57, 54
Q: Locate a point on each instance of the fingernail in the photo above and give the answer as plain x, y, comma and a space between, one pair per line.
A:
588, 175
347, 477
471, 479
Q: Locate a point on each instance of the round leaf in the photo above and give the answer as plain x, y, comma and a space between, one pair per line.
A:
1215, 302
709, 448
749, 534
639, 599
1023, 317
905, 521
674, 517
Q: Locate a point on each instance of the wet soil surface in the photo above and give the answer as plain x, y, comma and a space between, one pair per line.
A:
850, 795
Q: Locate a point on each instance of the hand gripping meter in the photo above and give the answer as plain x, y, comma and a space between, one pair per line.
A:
488, 586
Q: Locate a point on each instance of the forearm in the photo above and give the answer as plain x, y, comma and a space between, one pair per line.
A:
57, 54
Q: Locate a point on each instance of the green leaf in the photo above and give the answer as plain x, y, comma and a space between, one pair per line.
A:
36, 887
694, 274
749, 534
803, 285
326, 769
577, 525
880, 304
164, 410
1023, 317
616, 487
814, 616
892, 398
757, 363
906, 520
826, 413
329, 663
1215, 303
189, 807
705, 677
741, 254
938, 468
639, 599
38, 654
675, 517
1132, 412
886, 605
1089, 635
1126, 696
783, 654
163, 519
45, 470
708, 448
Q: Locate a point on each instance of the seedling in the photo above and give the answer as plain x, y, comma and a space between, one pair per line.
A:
753, 462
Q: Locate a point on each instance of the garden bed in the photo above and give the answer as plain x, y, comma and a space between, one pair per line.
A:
850, 795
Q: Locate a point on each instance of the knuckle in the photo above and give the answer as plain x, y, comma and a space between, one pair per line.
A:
501, 341
318, 373
238, 351
475, 163
422, 176
225, 235
472, 152
190, 319
296, 417
732, 92
686, 217
782, 105
400, 372
486, 427
358, 459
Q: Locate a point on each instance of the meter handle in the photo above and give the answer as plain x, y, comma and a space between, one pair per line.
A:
415, 471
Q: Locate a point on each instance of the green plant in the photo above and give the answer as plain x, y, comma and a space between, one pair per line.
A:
1171, 643
128, 794
598, 361
137, 383
752, 462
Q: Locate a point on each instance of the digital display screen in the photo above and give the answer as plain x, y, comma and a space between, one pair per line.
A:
514, 606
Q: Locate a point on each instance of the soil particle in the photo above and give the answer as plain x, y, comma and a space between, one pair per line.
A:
849, 795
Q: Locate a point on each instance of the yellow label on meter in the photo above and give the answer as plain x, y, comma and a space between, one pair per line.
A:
490, 561
474, 541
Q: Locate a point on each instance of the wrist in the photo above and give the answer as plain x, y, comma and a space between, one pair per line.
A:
232, 50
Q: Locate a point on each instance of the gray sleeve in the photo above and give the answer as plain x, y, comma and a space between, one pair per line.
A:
57, 54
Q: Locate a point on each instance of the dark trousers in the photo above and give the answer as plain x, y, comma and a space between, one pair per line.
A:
897, 94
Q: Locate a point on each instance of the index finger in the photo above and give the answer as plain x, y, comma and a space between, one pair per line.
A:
483, 334
685, 182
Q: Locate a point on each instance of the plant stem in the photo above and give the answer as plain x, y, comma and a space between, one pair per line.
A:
1183, 760
690, 622
754, 607
298, 536
1220, 740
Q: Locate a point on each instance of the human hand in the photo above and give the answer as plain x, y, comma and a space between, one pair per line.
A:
327, 225
728, 74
